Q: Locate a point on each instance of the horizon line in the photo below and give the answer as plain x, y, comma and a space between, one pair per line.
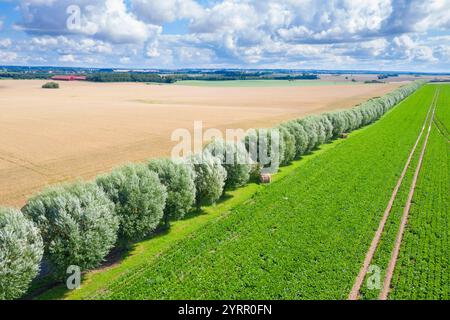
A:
235, 68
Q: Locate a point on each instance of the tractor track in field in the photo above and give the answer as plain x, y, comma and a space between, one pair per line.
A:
441, 128
398, 241
354, 293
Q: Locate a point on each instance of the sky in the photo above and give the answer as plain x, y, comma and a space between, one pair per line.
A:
379, 35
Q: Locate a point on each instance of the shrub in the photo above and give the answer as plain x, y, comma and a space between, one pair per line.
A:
51, 85
139, 199
210, 178
327, 127
234, 158
300, 137
338, 122
255, 172
351, 120
312, 131
21, 250
287, 145
179, 179
77, 224
261, 148
358, 118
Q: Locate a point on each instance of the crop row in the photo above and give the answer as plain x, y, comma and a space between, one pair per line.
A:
372, 284
422, 270
414, 264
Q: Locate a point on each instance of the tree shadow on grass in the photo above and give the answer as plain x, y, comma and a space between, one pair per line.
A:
43, 283
118, 254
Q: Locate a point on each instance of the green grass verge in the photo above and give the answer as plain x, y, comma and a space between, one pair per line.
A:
303, 237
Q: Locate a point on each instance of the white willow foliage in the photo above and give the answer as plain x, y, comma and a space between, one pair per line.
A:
339, 123
287, 145
370, 111
358, 118
235, 159
271, 153
139, 199
179, 179
210, 177
299, 135
21, 250
77, 224
352, 120
327, 127
312, 131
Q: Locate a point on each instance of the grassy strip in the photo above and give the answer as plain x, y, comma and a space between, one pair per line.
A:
146, 251
423, 271
301, 238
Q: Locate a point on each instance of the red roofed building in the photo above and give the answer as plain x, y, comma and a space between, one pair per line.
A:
69, 78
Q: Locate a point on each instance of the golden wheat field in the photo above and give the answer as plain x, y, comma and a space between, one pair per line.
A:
82, 129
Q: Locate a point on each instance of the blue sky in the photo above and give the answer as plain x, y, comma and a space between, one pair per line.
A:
404, 35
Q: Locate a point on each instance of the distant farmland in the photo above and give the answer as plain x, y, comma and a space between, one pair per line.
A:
263, 83
85, 128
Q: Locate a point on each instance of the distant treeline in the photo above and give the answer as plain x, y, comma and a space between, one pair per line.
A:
24, 75
169, 78
223, 76
129, 77
374, 81
440, 80
304, 76
387, 75
230, 76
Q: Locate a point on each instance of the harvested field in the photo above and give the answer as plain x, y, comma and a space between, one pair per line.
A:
82, 129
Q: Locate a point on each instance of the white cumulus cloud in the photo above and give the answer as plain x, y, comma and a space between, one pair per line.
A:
159, 12
67, 58
5, 43
179, 33
8, 56
108, 20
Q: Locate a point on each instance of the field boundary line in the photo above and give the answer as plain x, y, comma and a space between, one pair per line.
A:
25, 166
391, 267
440, 130
354, 293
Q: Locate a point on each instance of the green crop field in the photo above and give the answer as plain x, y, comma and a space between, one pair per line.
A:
425, 244
384, 250
303, 237
438, 215
260, 83
423, 267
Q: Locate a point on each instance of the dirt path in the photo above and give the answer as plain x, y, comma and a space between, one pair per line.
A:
354, 293
391, 267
